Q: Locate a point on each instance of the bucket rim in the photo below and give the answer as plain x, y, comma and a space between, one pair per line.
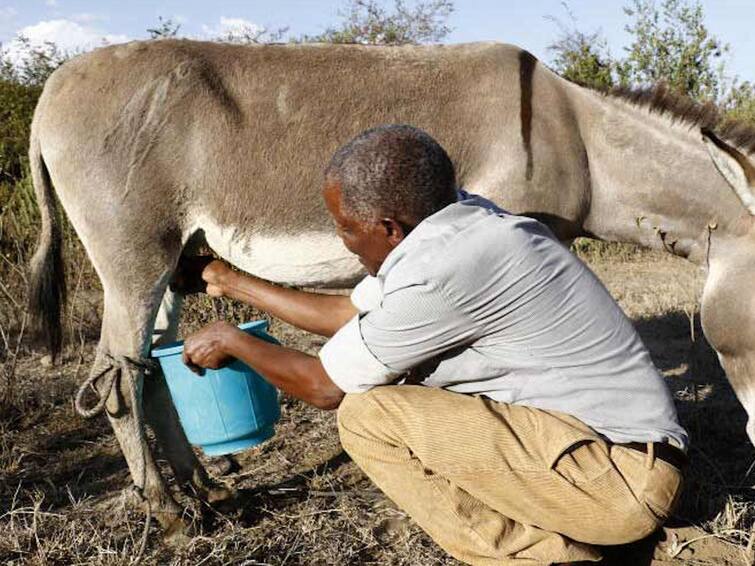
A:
174, 348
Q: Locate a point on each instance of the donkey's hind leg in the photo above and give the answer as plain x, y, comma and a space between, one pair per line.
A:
126, 329
165, 329
162, 417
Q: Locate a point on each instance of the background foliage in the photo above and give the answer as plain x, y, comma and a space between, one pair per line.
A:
670, 43
368, 22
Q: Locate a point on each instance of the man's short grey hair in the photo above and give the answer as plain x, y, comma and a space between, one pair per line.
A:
393, 171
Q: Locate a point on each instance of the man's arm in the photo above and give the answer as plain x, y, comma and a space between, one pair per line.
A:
296, 373
313, 312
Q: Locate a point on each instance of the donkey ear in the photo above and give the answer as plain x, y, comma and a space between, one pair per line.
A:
735, 167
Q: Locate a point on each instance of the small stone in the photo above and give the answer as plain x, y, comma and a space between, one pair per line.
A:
46, 361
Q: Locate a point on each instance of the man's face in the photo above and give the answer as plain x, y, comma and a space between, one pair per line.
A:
371, 241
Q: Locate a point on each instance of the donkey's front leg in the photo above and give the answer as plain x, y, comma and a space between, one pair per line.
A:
728, 318
127, 322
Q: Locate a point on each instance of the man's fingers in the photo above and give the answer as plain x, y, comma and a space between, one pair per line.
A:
204, 348
199, 370
214, 290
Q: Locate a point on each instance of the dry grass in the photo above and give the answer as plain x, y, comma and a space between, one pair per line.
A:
301, 501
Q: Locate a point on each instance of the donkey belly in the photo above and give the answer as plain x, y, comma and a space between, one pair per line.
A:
309, 259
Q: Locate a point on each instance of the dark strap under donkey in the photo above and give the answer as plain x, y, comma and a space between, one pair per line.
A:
115, 367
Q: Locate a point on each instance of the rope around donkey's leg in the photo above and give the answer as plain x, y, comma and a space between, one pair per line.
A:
90, 384
115, 369
119, 363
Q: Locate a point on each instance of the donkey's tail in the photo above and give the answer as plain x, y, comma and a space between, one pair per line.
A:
47, 288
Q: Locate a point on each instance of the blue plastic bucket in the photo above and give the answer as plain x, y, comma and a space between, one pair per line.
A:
225, 410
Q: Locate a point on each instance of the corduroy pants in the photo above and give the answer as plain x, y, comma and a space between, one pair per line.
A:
494, 483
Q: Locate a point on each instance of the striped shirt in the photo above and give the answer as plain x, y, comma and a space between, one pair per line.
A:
479, 301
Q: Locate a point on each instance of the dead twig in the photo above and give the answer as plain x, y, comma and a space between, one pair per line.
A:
676, 548
14, 267
11, 372
7, 293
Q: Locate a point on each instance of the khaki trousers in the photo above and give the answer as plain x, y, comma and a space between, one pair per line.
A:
494, 483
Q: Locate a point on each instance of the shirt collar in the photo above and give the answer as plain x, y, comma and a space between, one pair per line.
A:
415, 236
463, 198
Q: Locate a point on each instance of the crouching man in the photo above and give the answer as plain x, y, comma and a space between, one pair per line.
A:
484, 378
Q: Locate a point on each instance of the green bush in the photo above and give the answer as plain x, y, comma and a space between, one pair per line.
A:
19, 220
21, 84
740, 103
668, 42
369, 22
17, 102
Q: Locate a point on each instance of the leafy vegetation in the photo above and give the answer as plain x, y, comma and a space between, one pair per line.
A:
33, 63
20, 86
670, 43
367, 22
739, 102
582, 57
17, 102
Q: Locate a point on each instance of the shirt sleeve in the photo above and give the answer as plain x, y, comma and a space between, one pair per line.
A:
367, 295
350, 364
412, 325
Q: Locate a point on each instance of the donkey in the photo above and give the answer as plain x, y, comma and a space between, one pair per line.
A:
154, 147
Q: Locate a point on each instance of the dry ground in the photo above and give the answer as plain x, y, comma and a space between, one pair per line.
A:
301, 500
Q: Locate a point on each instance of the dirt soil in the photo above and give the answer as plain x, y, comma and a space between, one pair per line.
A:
302, 501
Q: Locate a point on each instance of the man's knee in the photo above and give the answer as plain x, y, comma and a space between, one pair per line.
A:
370, 416
348, 410
355, 423
356, 413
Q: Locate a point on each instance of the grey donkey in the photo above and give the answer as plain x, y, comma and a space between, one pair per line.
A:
156, 146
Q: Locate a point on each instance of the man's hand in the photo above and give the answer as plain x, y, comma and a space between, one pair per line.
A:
200, 274
296, 373
208, 347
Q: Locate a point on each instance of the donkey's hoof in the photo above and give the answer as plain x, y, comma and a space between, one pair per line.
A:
176, 532
210, 490
220, 493
177, 540
222, 466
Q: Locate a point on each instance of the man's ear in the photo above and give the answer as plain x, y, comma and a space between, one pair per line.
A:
394, 230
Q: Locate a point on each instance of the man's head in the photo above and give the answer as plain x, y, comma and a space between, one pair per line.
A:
383, 183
